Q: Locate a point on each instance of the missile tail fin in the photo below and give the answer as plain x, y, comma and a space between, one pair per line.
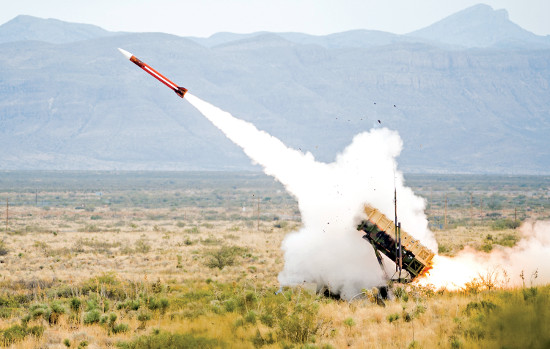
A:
181, 91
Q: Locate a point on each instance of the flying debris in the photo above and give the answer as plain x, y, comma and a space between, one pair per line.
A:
180, 91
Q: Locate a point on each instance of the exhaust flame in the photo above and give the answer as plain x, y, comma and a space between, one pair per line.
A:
328, 250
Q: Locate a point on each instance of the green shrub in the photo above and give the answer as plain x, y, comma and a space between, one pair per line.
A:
112, 319
131, 304
487, 247
120, 328
92, 304
5, 313
349, 322
56, 311
251, 317
75, 304
393, 317
224, 256
92, 317
441, 249
17, 333
297, 322
39, 310
455, 342
143, 317
142, 246
507, 223
230, 305
508, 240
419, 309
258, 341
267, 319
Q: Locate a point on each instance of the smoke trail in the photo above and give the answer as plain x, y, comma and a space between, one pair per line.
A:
328, 249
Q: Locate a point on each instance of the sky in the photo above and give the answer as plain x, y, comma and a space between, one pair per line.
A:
203, 18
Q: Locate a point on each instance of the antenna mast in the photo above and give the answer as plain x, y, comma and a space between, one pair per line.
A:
398, 254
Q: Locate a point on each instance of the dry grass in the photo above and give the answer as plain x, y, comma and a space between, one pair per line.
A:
67, 248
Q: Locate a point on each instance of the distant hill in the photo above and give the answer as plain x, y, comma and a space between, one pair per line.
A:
349, 39
26, 28
462, 104
481, 26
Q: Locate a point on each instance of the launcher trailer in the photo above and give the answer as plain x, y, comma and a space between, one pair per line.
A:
408, 253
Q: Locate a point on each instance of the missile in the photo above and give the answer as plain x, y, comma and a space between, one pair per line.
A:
180, 91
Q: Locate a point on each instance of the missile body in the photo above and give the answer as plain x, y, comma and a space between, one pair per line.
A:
180, 91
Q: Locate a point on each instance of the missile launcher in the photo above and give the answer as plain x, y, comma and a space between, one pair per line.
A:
408, 253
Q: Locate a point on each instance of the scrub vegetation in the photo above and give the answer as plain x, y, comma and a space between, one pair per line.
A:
190, 260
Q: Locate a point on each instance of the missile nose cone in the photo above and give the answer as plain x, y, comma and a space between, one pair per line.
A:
125, 53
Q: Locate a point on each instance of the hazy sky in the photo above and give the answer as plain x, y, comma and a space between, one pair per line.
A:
206, 17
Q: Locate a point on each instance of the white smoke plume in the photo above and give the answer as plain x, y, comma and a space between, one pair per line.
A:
328, 249
503, 266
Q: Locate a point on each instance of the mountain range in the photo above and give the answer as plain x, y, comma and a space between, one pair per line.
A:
468, 94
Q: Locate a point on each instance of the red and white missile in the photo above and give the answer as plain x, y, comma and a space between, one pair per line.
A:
180, 91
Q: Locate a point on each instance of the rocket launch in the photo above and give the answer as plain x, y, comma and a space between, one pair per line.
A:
180, 91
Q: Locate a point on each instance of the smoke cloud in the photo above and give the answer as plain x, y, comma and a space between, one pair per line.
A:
328, 249
503, 265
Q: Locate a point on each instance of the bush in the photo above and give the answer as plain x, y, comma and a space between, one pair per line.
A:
259, 341
267, 319
40, 310
393, 317
92, 317
230, 305
507, 223
441, 249
298, 323
142, 246
224, 256
349, 322
17, 333
487, 247
508, 240
129, 305
144, 317
56, 311
120, 328
251, 317
5, 313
